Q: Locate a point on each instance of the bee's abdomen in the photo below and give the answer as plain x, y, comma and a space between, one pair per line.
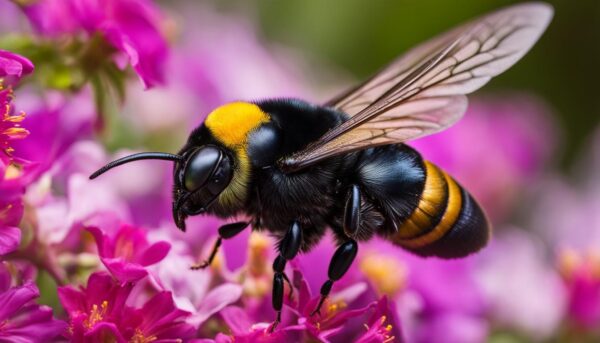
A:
447, 222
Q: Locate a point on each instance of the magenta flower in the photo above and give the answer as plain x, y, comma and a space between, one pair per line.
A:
130, 27
12, 68
21, 320
127, 253
522, 288
100, 312
334, 314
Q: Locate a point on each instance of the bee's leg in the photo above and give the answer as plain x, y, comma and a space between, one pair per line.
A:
352, 212
288, 249
344, 255
340, 263
225, 232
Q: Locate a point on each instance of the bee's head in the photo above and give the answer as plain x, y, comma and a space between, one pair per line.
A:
201, 174
213, 170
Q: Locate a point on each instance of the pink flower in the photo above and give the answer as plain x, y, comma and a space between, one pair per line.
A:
130, 27
55, 122
127, 253
100, 312
21, 319
522, 288
12, 68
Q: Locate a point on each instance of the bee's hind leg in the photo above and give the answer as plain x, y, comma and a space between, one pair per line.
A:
344, 255
225, 232
340, 263
288, 249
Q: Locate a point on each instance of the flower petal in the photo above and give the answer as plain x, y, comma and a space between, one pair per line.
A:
216, 300
10, 237
13, 299
124, 271
155, 253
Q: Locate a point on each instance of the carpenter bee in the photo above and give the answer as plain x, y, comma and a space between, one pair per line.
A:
296, 169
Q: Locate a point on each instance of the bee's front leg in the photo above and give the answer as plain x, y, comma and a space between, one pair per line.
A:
288, 249
225, 232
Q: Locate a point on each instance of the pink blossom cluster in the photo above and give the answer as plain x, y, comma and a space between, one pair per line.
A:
101, 261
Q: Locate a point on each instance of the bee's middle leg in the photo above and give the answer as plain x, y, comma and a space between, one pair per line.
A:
288, 249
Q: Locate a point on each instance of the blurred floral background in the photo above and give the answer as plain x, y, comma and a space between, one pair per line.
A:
86, 81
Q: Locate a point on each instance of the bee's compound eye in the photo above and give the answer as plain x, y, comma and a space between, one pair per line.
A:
200, 166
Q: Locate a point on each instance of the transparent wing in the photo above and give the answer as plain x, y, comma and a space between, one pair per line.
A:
423, 91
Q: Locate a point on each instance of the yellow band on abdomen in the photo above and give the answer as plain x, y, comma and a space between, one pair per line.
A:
431, 205
448, 220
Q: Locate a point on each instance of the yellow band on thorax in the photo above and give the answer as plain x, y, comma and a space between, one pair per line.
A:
231, 123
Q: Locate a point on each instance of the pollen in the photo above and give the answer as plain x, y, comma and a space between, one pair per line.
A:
333, 309
378, 269
97, 314
383, 331
13, 171
231, 123
140, 338
10, 128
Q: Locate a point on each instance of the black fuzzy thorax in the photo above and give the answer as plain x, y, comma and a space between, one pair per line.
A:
307, 196
391, 178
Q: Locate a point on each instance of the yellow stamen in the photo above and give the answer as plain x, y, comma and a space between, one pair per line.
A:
13, 171
332, 310
96, 315
140, 338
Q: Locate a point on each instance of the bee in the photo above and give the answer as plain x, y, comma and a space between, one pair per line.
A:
297, 169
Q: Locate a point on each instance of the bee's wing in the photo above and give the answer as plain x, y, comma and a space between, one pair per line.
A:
423, 91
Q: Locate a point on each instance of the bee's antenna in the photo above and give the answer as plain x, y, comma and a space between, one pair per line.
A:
136, 157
